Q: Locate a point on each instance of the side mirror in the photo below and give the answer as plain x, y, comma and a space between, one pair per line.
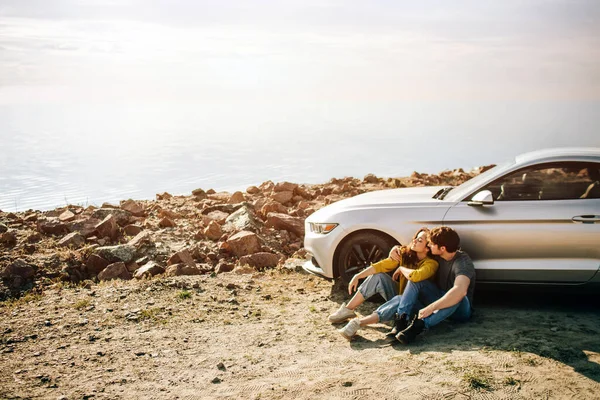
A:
483, 198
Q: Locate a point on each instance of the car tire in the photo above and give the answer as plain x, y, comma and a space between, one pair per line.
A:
360, 251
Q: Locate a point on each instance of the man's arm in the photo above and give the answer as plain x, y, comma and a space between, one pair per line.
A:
363, 274
452, 297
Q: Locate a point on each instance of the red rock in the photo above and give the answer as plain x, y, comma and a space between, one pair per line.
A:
243, 243
114, 271
108, 227
285, 187
18, 268
52, 226
74, 239
199, 194
132, 230
30, 218
273, 206
266, 186
86, 227
66, 216
168, 214
261, 260
95, 264
222, 197
252, 190
182, 269
181, 257
302, 191
224, 267
210, 191
218, 216
132, 266
163, 196
133, 207
213, 231
235, 198
283, 197
167, 223
303, 205
370, 178
148, 270
283, 221
142, 238
9, 238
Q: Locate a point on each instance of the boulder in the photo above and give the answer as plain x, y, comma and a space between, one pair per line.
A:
286, 222
73, 239
182, 269
116, 270
108, 227
181, 257
221, 196
3, 228
243, 243
66, 216
51, 226
133, 207
30, 218
261, 260
213, 231
122, 252
18, 268
243, 219
302, 191
235, 198
121, 216
149, 269
283, 197
95, 264
253, 190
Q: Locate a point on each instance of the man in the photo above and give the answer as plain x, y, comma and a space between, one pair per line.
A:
452, 297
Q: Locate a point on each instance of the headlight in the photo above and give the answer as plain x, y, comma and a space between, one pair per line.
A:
321, 228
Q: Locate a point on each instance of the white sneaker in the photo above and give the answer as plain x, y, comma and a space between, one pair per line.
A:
341, 314
350, 329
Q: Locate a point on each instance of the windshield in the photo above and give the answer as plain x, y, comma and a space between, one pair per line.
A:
460, 192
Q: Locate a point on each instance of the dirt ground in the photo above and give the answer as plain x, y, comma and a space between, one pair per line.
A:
266, 335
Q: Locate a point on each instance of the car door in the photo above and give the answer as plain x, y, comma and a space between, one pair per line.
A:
540, 228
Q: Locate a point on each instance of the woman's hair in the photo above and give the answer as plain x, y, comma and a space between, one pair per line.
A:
409, 257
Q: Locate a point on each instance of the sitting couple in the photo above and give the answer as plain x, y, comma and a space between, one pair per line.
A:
449, 294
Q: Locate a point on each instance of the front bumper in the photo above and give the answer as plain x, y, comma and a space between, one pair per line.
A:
312, 267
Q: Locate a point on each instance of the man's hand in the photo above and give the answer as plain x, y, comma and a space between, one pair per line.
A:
353, 284
397, 274
426, 312
395, 254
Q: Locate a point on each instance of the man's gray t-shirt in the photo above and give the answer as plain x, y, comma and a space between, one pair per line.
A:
461, 264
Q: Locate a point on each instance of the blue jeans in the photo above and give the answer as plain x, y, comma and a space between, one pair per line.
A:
387, 288
428, 292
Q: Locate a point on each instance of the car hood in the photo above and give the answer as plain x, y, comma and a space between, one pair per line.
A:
405, 197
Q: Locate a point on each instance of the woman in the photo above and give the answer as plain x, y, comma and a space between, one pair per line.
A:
416, 265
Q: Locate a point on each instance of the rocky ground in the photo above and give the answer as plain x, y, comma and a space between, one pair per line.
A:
202, 296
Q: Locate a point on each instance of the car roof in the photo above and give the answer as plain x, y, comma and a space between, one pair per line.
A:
560, 152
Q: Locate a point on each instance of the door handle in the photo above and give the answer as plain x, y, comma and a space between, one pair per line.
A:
586, 219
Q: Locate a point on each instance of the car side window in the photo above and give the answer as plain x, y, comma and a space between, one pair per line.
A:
557, 181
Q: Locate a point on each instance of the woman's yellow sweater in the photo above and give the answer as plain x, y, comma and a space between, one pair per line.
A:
424, 269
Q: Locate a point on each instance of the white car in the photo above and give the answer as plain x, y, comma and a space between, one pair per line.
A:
532, 220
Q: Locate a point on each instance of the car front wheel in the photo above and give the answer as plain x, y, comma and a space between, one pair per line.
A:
360, 251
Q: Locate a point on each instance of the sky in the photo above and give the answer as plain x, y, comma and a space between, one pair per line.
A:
194, 51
